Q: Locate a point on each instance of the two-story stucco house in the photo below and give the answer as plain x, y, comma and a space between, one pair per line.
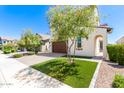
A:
6, 40
95, 45
45, 43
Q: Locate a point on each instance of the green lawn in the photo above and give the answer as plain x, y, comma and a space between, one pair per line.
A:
77, 75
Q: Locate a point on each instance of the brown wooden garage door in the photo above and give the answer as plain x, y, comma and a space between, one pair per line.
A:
59, 47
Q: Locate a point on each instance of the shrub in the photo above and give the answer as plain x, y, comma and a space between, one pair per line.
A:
116, 53
9, 48
112, 53
6, 51
118, 81
13, 49
1, 47
17, 55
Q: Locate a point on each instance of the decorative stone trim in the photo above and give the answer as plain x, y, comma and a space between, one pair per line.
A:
93, 81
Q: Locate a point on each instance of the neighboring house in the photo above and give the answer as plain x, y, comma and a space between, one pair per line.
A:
95, 45
6, 40
120, 41
45, 43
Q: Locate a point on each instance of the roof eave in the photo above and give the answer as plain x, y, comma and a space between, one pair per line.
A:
109, 29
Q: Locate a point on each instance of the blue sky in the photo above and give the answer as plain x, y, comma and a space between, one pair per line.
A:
114, 18
14, 19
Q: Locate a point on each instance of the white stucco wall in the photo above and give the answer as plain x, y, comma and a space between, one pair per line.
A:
89, 45
46, 47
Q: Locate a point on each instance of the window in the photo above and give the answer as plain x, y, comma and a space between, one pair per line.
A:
79, 44
4, 42
101, 46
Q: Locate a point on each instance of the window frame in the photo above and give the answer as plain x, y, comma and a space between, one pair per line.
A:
79, 43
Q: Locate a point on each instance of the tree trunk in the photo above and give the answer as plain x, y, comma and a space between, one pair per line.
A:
67, 48
74, 49
36, 50
70, 60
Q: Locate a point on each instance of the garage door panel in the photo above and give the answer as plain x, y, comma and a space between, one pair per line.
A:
59, 47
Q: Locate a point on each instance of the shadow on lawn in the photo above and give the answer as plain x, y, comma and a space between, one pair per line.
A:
58, 70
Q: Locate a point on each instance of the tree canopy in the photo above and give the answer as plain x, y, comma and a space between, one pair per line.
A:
71, 22
68, 22
30, 41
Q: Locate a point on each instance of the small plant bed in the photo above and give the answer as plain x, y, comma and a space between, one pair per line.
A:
23, 54
28, 53
88, 57
118, 81
77, 75
17, 55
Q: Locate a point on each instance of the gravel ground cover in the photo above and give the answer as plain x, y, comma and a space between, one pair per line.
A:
106, 74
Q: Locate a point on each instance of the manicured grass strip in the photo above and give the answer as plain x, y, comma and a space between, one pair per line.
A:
17, 55
77, 75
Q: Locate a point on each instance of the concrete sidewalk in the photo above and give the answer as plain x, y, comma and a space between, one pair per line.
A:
2, 80
15, 74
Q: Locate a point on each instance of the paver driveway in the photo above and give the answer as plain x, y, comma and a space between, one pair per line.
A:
15, 74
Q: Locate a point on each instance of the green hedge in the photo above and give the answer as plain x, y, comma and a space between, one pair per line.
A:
116, 53
118, 81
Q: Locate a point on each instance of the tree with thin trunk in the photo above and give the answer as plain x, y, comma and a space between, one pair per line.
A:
30, 41
67, 23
